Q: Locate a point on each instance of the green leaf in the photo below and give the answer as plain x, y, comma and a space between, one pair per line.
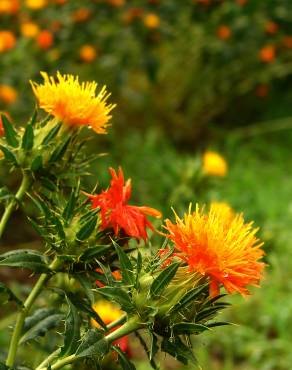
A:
125, 363
37, 163
9, 156
87, 229
176, 348
91, 337
52, 133
8, 295
59, 151
49, 184
68, 212
163, 279
94, 252
10, 133
28, 138
126, 266
218, 323
188, 328
40, 323
190, 296
119, 296
86, 285
33, 118
207, 313
99, 349
153, 345
72, 331
25, 258
3, 366
5, 193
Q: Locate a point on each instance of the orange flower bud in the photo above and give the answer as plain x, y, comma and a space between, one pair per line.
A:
7, 40
87, 53
224, 32
7, 94
9, 6
267, 54
151, 20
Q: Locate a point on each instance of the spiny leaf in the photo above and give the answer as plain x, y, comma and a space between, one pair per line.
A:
10, 133
9, 156
28, 138
176, 348
25, 258
188, 328
91, 337
39, 325
94, 252
72, 330
190, 296
125, 363
126, 265
87, 229
119, 296
52, 133
99, 348
9, 295
163, 279
37, 163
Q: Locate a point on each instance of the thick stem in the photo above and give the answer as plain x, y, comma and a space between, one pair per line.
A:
117, 322
24, 312
132, 325
48, 359
24, 186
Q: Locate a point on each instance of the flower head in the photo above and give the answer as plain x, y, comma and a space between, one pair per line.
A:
219, 245
117, 214
214, 164
73, 103
8, 94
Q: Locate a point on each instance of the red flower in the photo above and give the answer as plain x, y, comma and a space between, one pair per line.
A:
116, 213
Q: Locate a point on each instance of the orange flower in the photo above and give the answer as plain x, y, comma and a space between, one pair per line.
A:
262, 90
109, 313
132, 14
214, 164
151, 20
87, 53
117, 214
9, 6
224, 32
45, 39
1, 126
116, 3
73, 103
7, 40
267, 54
81, 15
116, 275
271, 27
29, 29
7, 94
287, 42
220, 246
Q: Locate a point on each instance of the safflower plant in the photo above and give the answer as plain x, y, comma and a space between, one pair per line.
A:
96, 254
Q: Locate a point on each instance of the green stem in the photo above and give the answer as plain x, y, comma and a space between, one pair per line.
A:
117, 322
48, 359
132, 325
24, 312
24, 186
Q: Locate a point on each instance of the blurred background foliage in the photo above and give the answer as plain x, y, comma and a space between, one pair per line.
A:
187, 76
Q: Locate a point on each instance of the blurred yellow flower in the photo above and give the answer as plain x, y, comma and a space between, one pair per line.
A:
87, 53
9, 6
107, 311
29, 29
73, 102
8, 94
36, 4
214, 164
151, 20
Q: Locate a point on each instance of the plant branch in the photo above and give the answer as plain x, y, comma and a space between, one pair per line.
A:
43, 279
47, 360
24, 186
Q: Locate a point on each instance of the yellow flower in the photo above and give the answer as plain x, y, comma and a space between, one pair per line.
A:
107, 311
224, 209
36, 4
219, 245
151, 20
29, 29
214, 164
74, 103
7, 94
